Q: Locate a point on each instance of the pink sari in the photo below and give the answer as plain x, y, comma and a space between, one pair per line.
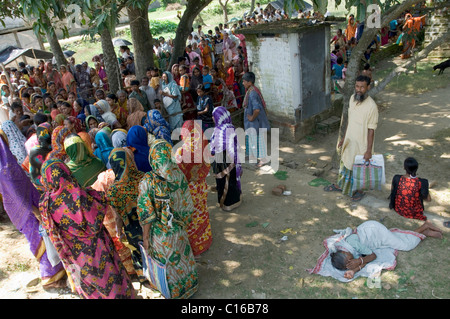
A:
73, 217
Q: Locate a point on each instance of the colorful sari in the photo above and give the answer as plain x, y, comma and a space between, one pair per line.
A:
59, 134
137, 139
226, 166
103, 183
119, 138
104, 147
174, 108
165, 210
191, 162
84, 167
122, 195
38, 154
158, 126
19, 200
73, 217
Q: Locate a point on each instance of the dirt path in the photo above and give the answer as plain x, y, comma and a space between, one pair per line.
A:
248, 259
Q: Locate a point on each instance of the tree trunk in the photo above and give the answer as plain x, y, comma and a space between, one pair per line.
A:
252, 7
193, 8
225, 12
54, 43
142, 39
111, 62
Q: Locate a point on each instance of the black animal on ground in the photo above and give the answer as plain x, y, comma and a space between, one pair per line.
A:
442, 66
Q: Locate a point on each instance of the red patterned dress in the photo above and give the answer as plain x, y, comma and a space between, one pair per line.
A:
191, 162
407, 196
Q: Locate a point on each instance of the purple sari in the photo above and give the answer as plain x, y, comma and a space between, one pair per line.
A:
19, 197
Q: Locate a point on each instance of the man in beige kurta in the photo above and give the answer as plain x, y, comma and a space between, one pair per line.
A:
359, 136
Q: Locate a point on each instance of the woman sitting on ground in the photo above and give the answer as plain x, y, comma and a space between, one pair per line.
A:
409, 191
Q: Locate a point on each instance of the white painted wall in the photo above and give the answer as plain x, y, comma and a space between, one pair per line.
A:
277, 68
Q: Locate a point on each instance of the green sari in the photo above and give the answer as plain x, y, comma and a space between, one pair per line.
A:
165, 203
84, 167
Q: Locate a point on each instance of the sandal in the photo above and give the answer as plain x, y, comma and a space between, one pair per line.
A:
358, 196
332, 188
447, 224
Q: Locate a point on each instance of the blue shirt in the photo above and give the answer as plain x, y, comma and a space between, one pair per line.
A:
207, 78
393, 25
261, 121
338, 70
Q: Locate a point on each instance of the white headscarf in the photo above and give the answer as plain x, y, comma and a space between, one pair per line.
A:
107, 115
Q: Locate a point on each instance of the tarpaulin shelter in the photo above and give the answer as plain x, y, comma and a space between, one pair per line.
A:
10, 53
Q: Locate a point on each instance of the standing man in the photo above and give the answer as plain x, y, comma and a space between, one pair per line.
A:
358, 138
255, 121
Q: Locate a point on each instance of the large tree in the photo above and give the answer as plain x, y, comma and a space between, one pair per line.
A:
193, 8
141, 35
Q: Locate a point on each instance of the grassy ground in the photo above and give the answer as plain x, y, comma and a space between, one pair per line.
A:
411, 82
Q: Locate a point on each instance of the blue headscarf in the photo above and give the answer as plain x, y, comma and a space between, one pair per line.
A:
104, 147
137, 138
158, 126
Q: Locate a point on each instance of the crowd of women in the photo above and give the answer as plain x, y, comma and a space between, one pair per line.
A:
92, 178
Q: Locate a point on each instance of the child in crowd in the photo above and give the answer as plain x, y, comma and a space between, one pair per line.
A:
184, 79
207, 79
155, 79
205, 108
337, 69
409, 191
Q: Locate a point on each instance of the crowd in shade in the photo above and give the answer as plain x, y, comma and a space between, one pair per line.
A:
92, 179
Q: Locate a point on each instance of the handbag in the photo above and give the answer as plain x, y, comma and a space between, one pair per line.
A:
167, 101
368, 175
155, 272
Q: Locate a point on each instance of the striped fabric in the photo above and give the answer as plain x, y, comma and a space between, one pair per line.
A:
366, 177
155, 272
345, 180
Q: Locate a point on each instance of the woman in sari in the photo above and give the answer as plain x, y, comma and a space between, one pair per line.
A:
39, 79
137, 139
122, 196
119, 138
73, 124
112, 222
172, 100
73, 217
104, 109
187, 101
68, 80
39, 153
53, 76
84, 167
59, 134
136, 113
176, 73
165, 210
158, 126
117, 110
16, 140
87, 141
21, 202
191, 161
104, 147
59, 120
206, 53
227, 166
